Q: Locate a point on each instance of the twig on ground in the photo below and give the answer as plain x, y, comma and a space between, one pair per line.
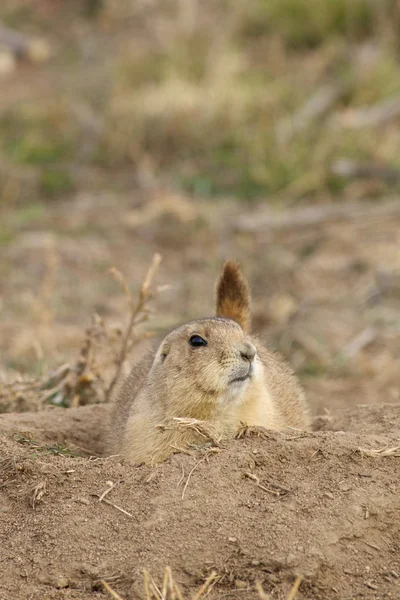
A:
295, 588
114, 505
385, 451
190, 474
111, 486
262, 487
182, 477
38, 492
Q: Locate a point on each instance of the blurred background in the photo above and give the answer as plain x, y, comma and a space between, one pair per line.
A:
262, 130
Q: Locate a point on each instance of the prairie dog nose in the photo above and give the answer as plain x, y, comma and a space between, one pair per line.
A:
248, 351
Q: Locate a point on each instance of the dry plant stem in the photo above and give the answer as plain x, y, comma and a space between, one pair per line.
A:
295, 588
262, 487
394, 451
109, 589
38, 493
190, 474
178, 592
205, 585
144, 296
107, 491
261, 592
114, 505
156, 592
206, 430
170, 589
146, 584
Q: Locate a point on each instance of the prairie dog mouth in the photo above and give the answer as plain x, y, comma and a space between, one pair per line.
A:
248, 375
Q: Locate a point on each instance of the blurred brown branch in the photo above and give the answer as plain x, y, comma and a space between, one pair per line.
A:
315, 215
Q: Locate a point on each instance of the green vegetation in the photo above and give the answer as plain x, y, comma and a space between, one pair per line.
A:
55, 449
216, 102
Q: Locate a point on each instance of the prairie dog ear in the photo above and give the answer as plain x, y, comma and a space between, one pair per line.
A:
233, 295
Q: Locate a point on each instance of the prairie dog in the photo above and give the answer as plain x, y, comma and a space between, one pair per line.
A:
210, 370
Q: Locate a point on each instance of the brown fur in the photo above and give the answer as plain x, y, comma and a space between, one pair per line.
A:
213, 384
233, 296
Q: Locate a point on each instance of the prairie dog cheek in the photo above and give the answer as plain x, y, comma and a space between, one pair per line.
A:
212, 378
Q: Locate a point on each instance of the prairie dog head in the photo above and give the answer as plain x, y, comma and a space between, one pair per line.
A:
210, 362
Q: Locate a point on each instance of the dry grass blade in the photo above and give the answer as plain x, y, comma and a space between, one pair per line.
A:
108, 490
295, 588
190, 474
38, 492
394, 451
139, 313
128, 514
102, 498
146, 584
151, 588
203, 428
109, 589
259, 485
262, 594
170, 589
205, 586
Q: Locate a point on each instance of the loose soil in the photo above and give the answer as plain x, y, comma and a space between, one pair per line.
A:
326, 505
265, 508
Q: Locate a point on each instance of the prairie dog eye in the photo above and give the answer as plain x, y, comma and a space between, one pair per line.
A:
196, 341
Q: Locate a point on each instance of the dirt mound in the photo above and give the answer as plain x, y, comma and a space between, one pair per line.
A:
82, 427
265, 508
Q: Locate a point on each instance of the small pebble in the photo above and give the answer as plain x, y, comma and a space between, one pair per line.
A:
232, 540
291, 559
84, 501
61, 583
395, 574
371, 586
